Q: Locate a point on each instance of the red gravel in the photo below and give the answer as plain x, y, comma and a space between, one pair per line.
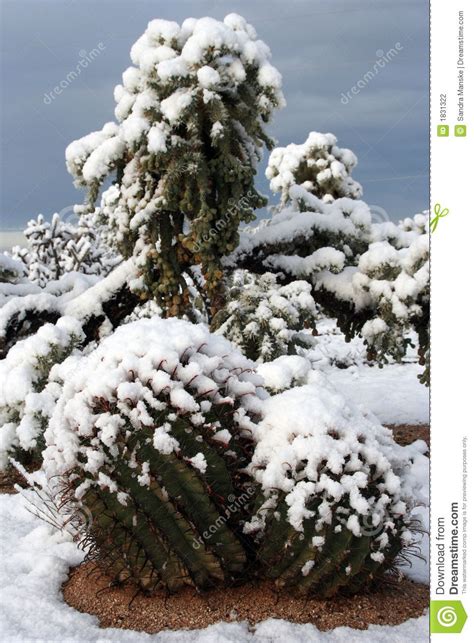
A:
87, 591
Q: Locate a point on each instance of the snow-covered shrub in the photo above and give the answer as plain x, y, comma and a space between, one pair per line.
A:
373, 278
267, 320
390, 279
330, 351
191, 114
150, 434
28, 393
332, 348
56, 248
99, 304
308, 238
333, 508
317, 165
144, 311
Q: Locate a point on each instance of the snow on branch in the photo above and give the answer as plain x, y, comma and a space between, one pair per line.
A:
372, 277
92, 301
318, 165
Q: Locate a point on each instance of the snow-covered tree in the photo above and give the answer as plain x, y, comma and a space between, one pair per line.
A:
91, 250
46, 245
318, 165
267, 320
190, 124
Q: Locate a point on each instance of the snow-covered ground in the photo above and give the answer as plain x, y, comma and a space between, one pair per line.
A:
393, 393
36, 560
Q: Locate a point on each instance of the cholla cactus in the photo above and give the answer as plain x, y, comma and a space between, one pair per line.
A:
28, 391
191, 115
373, 278
317, 165
56, 247
267, 320
151, 435
333, 509
395, 275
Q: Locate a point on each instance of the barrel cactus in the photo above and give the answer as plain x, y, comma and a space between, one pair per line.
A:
333, 508
150, 437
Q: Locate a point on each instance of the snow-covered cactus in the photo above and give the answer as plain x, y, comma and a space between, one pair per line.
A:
267, 320
333, 510
57, 247
150, 435
28, 391
191, 115
392, 279
373, 278
317, 165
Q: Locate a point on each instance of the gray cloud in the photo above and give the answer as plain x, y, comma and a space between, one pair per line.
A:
322, 48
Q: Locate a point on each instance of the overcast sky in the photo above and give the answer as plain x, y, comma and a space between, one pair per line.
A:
321, 47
